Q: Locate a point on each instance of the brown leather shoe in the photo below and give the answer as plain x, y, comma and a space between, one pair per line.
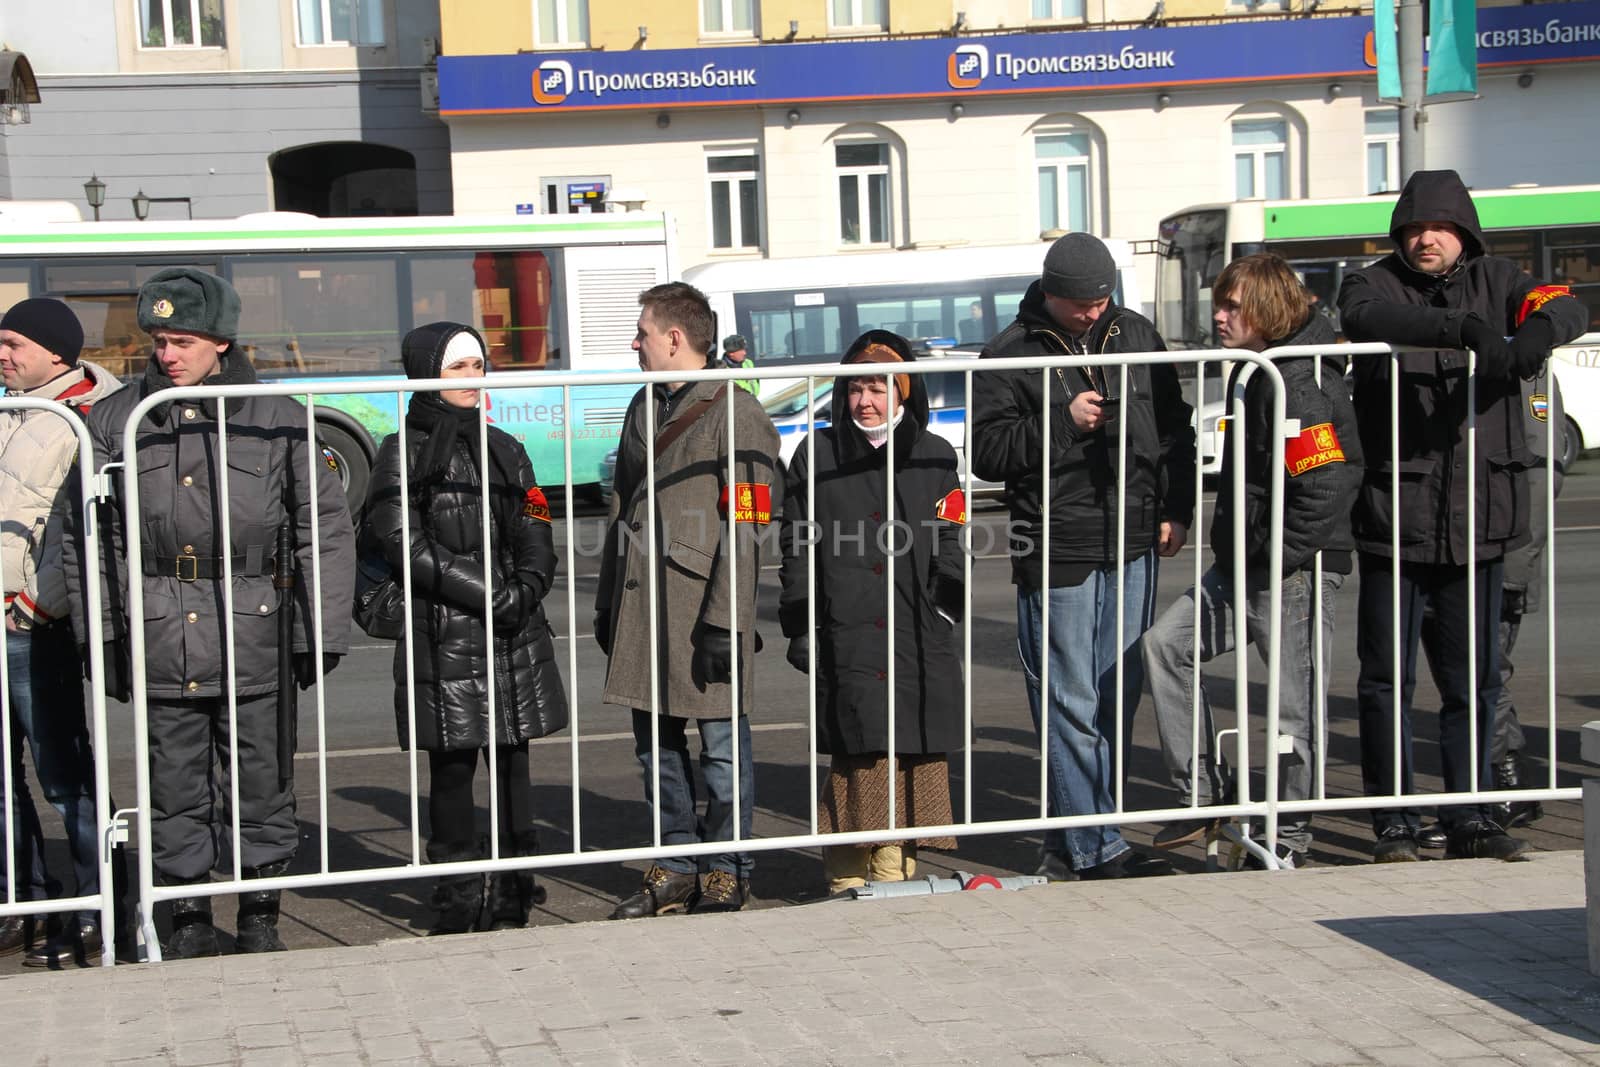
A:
722, 892
662, 893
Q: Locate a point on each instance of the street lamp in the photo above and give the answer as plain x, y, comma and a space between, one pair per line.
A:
141, 205
94, 191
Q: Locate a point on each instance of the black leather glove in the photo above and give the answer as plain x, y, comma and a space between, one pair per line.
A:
1531, 346
799, 654
1494, 355
948, 599
305, 667
512, 603
119, 669
713, 655
602, 631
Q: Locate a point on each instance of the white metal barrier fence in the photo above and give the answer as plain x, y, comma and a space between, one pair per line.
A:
1263, 805
95, 710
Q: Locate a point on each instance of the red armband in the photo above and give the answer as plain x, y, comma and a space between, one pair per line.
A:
1315, 447
1538, 298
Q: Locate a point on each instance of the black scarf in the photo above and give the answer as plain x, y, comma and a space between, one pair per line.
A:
233, 369
444, 426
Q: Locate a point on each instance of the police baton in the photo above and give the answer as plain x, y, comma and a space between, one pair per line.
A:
288, 717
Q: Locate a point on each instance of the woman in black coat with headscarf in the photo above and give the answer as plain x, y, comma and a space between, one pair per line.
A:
850, 512
450, 667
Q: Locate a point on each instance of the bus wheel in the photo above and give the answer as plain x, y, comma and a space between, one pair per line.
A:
1571, 445
354, 468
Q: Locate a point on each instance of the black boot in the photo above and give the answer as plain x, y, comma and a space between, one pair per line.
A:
258, 913
458, 898
1508, 775
193, 935
513, 894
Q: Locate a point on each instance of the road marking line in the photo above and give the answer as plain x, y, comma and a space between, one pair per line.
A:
348, 753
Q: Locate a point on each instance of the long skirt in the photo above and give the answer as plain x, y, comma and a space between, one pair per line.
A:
856, 795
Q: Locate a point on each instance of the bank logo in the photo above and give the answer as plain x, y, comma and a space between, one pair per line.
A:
552, 81
968, 66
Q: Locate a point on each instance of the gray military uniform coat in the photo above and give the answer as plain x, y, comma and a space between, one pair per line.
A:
691, 543
179, 467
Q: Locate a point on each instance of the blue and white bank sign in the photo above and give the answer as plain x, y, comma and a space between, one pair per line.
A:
1082, 60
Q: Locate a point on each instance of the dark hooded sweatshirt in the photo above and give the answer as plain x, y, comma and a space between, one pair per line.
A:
1322, 465
851, 590
1392, 301
1008, 428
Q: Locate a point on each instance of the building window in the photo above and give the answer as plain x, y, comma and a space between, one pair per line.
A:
1058, 10
561, 22
180, 23
858, 14
735, 200
728, 16
344, 22
1260, 159
1382, 138
1063, 161
863, 192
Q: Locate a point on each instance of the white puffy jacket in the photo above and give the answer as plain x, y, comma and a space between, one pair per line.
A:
37, 451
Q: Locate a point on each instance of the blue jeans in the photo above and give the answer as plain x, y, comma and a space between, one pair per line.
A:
1170, 650
47, 702
680, 821
1083, 696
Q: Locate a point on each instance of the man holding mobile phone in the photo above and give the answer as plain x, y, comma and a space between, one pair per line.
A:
1112, 430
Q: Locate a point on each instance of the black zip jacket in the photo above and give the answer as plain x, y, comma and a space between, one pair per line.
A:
1322, 466
1008, 431
1391, 301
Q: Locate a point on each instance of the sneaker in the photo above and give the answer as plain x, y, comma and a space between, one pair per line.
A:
1176, 834
1485, 840
662, 893
1397, 844
721, 891
1432, 836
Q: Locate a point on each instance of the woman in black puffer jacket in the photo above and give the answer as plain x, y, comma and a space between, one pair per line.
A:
451, 671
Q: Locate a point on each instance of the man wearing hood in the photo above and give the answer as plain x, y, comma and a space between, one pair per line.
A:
1093, 410
40, 340
193, 319
1439, 289
1258, 304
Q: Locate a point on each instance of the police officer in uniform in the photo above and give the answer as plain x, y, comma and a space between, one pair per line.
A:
193, 318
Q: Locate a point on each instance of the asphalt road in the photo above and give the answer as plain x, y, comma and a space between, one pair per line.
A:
368, 815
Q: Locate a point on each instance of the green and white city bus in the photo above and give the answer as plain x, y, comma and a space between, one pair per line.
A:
330, 299
1553, 232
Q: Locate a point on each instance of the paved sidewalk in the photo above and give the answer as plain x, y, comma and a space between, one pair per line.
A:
1458, 963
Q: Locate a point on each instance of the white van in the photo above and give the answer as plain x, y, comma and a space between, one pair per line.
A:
809, 310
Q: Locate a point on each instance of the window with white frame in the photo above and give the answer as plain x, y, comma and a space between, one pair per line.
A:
1260, 159
560, 21
1060, 10
858, 14
1381, 136
728, 16
180, 23
342, 22
1063, 167
863, 168
735, 186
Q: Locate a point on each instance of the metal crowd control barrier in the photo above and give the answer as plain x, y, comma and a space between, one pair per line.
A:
107, 827
1266, 807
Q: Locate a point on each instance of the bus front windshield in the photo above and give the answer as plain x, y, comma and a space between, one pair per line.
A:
1193, 252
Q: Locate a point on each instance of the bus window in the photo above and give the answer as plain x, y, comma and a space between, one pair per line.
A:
797, 332
318, 316
507, 296
1006, 306
13, 285
1575, 261
914, 317
1519, 246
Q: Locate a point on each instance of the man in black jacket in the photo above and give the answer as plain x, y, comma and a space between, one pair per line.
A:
1440, 289
1113, 429
1260, 304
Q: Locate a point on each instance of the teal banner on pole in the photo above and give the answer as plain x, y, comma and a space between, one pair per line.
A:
1386, 50
1453, 48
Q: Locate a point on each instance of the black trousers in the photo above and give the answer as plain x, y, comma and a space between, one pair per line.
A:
1444, 588
452, 814
190, 790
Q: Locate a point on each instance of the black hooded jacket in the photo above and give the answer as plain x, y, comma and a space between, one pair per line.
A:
1008, 411
1322, 465
445, 516
1394, 302
852, 575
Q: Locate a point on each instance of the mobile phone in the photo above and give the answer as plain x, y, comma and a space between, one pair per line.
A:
1110, 401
